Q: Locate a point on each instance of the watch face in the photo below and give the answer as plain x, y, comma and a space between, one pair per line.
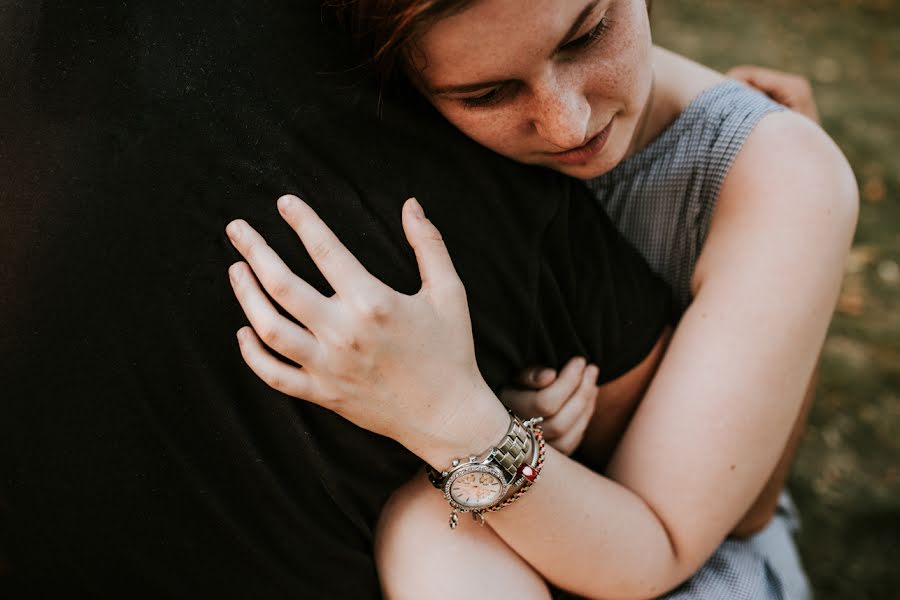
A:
478, 487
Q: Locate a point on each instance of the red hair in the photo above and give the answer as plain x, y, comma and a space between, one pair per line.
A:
388, 28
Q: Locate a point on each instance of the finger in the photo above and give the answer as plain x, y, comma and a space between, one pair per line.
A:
794, 91
744, 72
570, 413
571, 440
294, 294
435, 266
770, 82
521, 402
343, 272
285, 378
550, 399
780, 86
757, 76
278, 333
536, 377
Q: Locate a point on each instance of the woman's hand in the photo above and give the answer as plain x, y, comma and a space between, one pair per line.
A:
401, 366
794, 91
565, 401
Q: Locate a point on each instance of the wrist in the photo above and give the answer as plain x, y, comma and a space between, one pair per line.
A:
478, 422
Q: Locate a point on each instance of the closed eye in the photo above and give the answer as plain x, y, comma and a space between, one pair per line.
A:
489, 98
589, 39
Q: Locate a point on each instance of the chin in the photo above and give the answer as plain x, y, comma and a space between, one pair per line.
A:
608, 159
588, 170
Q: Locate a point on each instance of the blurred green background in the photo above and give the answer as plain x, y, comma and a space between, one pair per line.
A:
847, 477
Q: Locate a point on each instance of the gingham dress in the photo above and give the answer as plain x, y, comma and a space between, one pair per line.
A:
662, 200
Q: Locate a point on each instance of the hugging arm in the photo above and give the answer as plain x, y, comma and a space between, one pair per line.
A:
710, 428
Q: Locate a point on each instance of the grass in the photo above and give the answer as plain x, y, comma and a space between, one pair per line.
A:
847, 477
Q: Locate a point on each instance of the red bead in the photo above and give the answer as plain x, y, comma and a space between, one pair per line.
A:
528, 473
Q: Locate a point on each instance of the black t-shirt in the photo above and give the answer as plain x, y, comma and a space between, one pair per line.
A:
140, 456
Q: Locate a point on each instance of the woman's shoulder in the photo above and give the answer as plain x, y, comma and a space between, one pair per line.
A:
680, 80
782, 144
790, 189
689, 98
698, 121
786, 155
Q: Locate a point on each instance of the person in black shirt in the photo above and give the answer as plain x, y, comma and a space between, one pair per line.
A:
141, 458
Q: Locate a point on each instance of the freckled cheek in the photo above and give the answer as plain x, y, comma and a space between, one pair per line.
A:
619, 78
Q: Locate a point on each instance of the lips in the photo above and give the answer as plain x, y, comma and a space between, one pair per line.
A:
586, 151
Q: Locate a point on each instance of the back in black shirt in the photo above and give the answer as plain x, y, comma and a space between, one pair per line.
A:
140, 456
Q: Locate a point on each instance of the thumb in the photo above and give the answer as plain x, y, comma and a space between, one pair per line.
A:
536, 377
435, 266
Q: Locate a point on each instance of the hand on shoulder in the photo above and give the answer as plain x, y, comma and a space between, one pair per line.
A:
790, 89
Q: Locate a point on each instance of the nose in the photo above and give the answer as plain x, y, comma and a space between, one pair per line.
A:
561, 115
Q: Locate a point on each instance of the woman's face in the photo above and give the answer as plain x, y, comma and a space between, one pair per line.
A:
558, 83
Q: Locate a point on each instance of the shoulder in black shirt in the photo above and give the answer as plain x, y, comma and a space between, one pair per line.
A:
141, 457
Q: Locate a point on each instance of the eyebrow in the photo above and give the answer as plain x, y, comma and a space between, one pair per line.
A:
474, 87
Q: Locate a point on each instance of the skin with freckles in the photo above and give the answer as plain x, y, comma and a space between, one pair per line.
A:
549, 88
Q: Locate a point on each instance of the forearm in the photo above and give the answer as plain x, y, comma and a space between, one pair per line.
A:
763, 509
687, 470
603, 433
606, 428
572, 511
569, 512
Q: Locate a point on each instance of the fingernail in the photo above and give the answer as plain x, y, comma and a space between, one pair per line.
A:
285, 203
234, 273
416, 208
234, 231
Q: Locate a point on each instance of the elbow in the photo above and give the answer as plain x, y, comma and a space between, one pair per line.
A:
755, 521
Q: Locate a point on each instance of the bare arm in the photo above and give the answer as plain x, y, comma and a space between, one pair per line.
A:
763, 509
712, 441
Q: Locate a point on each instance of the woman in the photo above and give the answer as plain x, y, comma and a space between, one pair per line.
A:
577, 86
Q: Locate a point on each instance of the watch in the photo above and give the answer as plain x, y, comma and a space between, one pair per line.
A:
479, 482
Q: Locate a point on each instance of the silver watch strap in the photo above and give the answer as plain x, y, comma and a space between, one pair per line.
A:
509, 454
512, 451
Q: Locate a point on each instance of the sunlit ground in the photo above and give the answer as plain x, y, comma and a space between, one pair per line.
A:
847, 478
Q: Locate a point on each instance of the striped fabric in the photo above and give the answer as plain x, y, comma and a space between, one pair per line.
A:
662, 199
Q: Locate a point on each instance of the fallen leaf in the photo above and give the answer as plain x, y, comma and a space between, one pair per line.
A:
873, 190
